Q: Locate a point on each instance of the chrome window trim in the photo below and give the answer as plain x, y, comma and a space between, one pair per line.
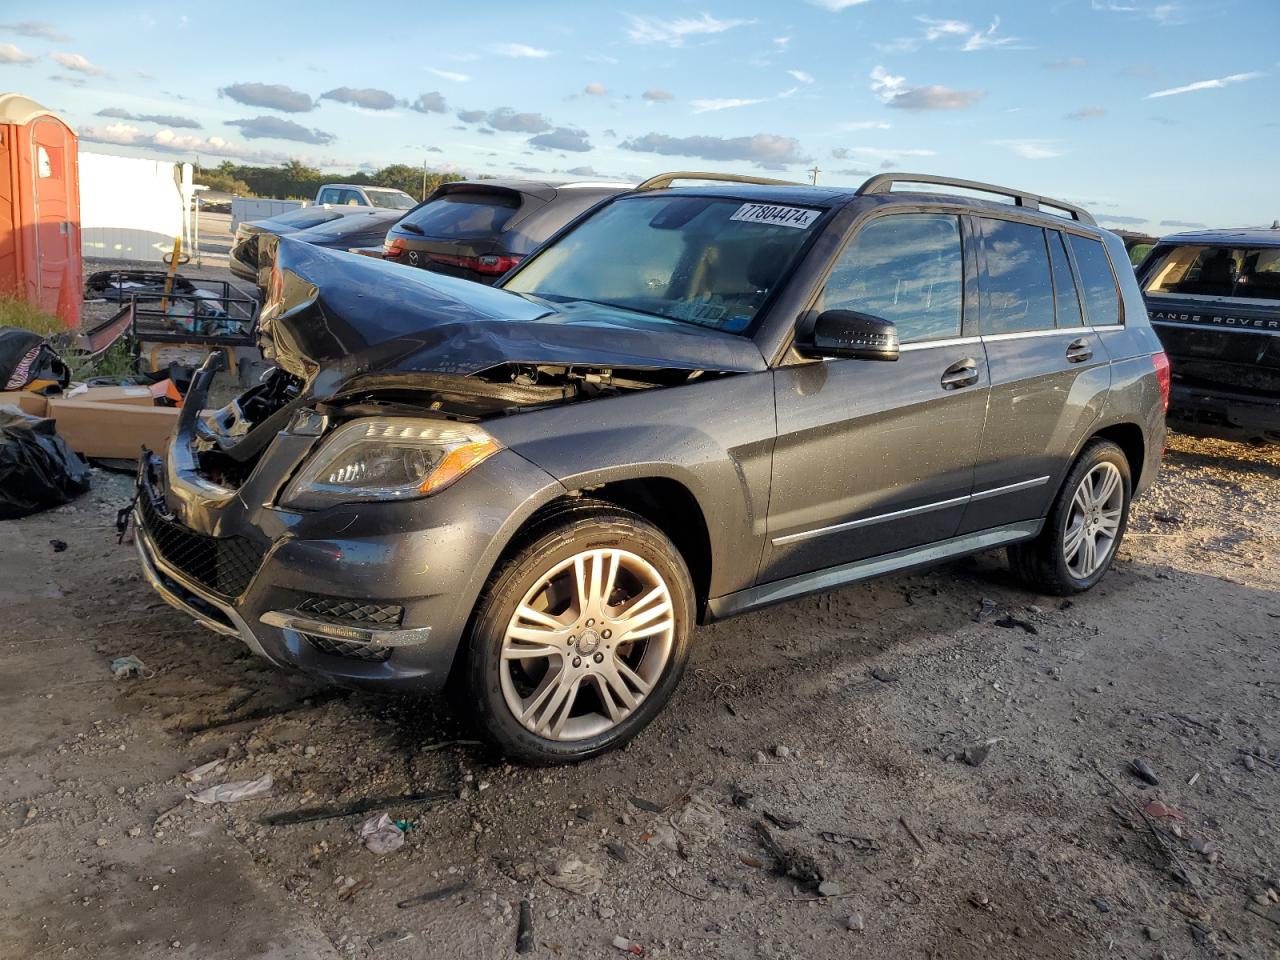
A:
1031, 334
946, 342
909, 511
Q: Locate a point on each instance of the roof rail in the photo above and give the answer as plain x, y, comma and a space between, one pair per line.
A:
663, 180
883, 183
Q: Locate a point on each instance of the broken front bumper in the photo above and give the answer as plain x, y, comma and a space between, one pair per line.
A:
375, 594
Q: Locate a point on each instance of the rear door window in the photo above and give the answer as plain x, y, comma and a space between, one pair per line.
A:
1216, 272
1065, 294
1101, 297
907, 268
1017, 293
327, 195
463, 215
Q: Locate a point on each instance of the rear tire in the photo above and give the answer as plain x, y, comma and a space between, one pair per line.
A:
581, 637
1085, 525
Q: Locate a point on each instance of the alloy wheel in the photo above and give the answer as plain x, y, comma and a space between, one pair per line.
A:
1093, 523
587, 643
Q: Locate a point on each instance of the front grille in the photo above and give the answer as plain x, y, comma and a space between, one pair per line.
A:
222, 564
368, 652
353, 611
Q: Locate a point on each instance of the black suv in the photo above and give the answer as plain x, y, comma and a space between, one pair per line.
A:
1214, 299
692, 402
480, 229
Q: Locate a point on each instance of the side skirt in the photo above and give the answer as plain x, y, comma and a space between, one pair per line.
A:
829, 578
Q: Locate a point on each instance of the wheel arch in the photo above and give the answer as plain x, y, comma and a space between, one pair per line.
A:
1131, 440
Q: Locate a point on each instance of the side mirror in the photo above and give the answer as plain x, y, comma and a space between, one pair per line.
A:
853, 335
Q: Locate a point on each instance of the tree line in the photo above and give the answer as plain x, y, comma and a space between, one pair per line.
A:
295, 180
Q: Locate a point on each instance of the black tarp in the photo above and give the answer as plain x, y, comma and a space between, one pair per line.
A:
37, 468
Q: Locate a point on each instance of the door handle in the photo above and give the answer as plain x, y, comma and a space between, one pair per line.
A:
1078, 350
962, 373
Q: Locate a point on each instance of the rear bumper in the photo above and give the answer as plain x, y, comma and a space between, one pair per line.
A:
1213, 413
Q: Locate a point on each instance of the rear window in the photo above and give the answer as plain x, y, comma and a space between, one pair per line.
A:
463, 216
390, 199
306, 217
1101, 298
1217, 272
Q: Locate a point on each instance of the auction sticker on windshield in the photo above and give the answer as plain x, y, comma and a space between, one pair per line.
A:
798, 217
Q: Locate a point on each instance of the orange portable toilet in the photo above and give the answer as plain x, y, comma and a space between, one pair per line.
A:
39, 208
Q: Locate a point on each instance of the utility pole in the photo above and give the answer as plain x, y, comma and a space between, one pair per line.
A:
814, 174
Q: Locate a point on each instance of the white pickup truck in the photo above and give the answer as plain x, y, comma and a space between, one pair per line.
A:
360, 195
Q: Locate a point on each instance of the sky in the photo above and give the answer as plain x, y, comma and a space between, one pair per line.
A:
1156, 116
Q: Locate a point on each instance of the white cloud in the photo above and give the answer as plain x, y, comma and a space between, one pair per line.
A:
864, 125
595, 89
11, 53
1031, 149
835, 6
725, 103
894, 92
1164, 14
881, 153
78, 63
937, 29
674, 32
518, 50
987, 39
449, 75
781, 42
166, 141
1204, 85
801, 76
974, 39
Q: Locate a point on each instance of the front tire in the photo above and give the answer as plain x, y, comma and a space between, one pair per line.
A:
581, 637
1085, 525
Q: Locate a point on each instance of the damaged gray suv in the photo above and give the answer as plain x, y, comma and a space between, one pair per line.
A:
692, 402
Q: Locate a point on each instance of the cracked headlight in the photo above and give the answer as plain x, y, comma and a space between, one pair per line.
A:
394, 458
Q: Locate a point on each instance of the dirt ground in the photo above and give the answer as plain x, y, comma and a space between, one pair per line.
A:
1038, 851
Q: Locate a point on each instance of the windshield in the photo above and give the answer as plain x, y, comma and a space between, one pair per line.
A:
1244, 273
702, 260
390, 199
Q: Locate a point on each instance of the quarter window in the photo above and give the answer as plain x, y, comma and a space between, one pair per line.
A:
1097, 281
907, 268
1065, 294
1018, 293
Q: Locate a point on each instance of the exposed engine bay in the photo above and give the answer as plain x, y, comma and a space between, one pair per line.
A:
231, 439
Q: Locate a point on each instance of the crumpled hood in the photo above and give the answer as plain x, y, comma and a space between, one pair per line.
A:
332, 318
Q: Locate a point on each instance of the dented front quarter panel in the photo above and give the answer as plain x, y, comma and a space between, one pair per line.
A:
715, 438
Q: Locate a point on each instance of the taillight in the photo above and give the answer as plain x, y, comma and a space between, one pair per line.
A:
489, 264
495, 265
392, 248
1160, 361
